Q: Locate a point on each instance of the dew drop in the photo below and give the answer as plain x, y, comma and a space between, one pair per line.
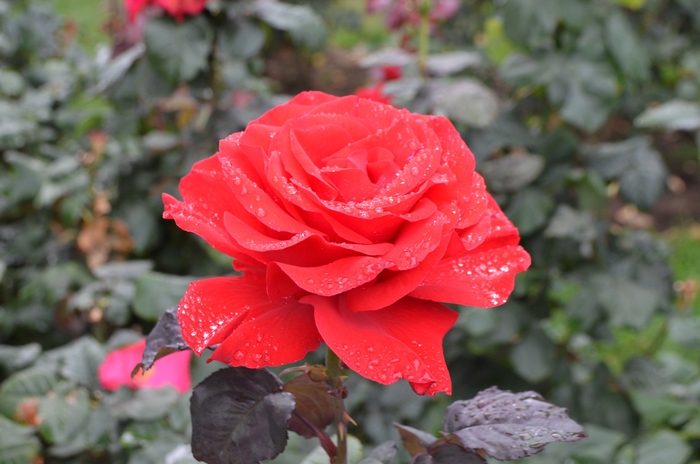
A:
415, 170
237, 181
239, 355
244, 190
260, 212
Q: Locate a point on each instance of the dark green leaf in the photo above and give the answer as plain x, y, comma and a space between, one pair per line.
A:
666, 447
623, 43
685, 330
18, 445
530, 210
304, 25
240, 415
241, 40
509, 425
160, 141
575, 225
99, 425
638, 165
452, 62
583, 109
382, 454
627, 303
645, 180
659, 411
13, 358
467, 101
533, 358
511, 173
671, 115
155, 292
477, 321
34, 382
80, 360
147, 404
164, 339
178, 50
63, 416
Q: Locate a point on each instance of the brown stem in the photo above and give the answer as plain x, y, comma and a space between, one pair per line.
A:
424, 36
336, 381
326, 442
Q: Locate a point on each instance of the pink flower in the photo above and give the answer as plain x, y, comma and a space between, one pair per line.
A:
173, 370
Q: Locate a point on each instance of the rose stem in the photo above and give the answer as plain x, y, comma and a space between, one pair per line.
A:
333, 368
424, 36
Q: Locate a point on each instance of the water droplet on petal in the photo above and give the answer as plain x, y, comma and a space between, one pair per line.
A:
239, 355
415, 170
260, 212
244, 190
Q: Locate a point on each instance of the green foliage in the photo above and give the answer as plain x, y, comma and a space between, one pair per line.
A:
558, 100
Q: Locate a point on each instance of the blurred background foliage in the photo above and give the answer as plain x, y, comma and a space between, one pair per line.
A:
584, 117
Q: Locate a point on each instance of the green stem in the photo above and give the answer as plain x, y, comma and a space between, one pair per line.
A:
334, 372
424, 36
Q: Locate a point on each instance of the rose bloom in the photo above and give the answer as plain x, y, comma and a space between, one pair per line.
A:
175, 8
351, 221
374, 93
401, 12
173, 370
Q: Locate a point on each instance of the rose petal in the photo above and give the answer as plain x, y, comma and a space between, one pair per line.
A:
319, 140
381, 294
471, 208
352, 184
276, 333
475, 235
483, 279
312, 98
304, 249
455, 153
255, 202
212, 308
207, 198
373, 115
502, 232
398, 138
401, 341
415, 240
337, 277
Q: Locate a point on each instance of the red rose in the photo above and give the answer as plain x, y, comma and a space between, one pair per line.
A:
180, 8
175, 8
350, 220
374, 93
134, 7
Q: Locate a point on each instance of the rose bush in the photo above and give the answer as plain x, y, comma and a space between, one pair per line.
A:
350, 220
